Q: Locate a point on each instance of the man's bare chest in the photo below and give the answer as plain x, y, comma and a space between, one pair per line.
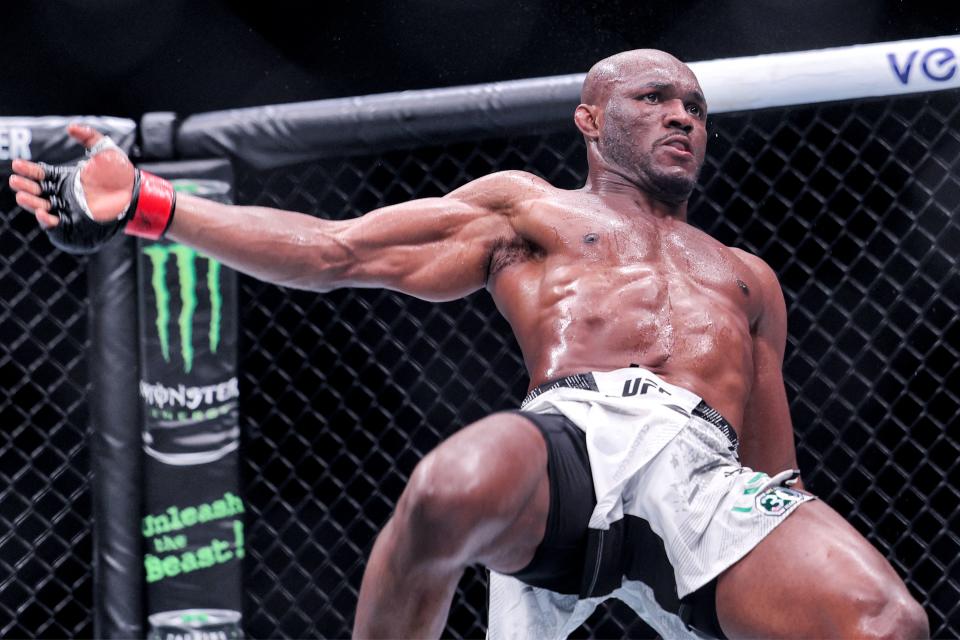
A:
587, 243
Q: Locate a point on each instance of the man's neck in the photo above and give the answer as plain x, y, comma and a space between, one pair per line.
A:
623, 195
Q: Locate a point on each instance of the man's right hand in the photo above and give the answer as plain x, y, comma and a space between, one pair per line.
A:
107, 180
82, 207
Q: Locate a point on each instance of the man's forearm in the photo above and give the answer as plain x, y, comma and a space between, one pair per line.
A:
281, 247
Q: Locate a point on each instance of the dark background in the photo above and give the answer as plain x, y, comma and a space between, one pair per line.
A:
127, 57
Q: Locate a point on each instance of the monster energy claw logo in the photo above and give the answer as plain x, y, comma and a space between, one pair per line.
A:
186, 264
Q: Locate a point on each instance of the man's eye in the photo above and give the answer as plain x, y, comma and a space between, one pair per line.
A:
695, 110
651, 97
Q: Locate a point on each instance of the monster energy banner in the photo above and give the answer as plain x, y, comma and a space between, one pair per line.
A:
193, 515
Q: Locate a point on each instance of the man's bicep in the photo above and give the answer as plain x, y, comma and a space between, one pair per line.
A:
438, 248
434, 248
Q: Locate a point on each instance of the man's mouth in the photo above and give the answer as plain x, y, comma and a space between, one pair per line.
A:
679, 143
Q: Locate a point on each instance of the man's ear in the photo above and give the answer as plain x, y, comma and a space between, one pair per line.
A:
587, 119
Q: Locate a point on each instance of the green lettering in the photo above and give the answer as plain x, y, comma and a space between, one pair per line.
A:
236, 504
189, 516
238, 537
153, 568
160, 524
174, 518
217, 552
165, 543
205, 557
206, 513
171, 566
147, 528
222, 551
188, 562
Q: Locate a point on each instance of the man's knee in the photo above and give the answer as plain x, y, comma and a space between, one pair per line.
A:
472, 485
875, 603
889, 613
913, 620
441, 497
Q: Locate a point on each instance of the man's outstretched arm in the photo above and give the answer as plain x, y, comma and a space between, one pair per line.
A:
434, 248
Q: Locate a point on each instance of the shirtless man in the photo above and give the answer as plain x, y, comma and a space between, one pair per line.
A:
623, 481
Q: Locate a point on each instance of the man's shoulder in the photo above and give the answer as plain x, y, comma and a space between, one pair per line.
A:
515, 179
757, 264
762, 271
504, 189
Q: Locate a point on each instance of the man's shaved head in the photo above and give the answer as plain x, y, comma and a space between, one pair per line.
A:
643, 116
618, 68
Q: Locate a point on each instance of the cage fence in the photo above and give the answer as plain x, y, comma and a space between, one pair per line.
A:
853, 204
46, 587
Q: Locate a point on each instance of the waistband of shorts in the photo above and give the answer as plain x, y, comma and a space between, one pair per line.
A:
588, 382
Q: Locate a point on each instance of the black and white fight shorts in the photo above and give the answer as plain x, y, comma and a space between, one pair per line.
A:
648, 504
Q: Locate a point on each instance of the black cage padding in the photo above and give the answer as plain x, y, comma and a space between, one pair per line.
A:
283, 134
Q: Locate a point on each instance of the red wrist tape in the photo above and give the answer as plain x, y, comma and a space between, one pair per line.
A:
153, 204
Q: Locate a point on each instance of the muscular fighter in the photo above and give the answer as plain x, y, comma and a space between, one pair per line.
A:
652, 458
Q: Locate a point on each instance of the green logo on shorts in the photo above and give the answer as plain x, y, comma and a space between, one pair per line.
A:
776, 501
772, 501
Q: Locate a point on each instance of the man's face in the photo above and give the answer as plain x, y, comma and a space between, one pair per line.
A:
653, 127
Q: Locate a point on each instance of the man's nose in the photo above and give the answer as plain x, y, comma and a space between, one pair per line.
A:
676, 116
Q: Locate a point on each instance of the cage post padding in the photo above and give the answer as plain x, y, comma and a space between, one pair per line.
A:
193, 515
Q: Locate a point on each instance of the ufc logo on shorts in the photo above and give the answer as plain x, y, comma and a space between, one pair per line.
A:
639, 386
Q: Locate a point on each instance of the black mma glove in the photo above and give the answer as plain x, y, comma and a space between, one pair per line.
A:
77, 231
149, 213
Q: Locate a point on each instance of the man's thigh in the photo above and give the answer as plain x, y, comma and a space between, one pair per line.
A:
813, 576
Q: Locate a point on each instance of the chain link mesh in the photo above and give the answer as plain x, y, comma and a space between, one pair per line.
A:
854, 205
46, 580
